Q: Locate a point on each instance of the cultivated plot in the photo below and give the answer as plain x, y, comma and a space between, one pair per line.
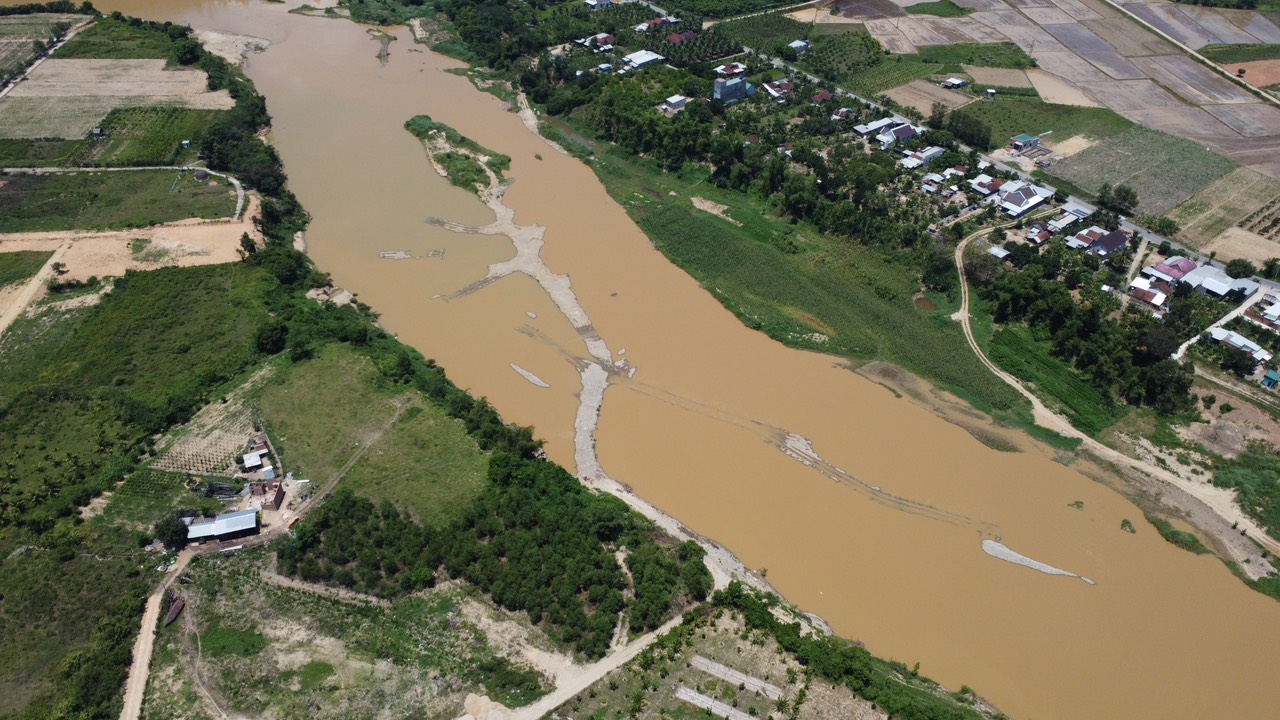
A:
1077, 9
67, 98
1131, 95
922, 94
1248, 119
1181, 27
1128, 37
1070, 66
998, 77
1216, 21
1194, 82
1238, 242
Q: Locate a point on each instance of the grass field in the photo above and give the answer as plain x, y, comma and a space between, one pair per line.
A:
893, 72
17, 267
108, 200
150, 136
1010, 116
942, 8
1240, 53
1088, 408
853, 294
1163, 169
111, 39
314, 651
1231, 200
765, 32
37, 153
426, 464
994, 55
319, 409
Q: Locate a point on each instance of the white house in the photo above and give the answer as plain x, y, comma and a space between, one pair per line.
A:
875, 127
1018, 198
902, 133
922, 157
597, 4
674, 103
640, 58
799, 45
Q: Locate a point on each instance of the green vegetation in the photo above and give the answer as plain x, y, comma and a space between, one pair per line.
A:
282, 652
1010, 116
217, 641
152, 136
17, 267
1240, 53
995, 55
941, 8
765, 33
463, 168
1255, 475
108, 200
1164, 170
722, 8
118, 38
1127, 526
1085, 406
1183, 539
38, 153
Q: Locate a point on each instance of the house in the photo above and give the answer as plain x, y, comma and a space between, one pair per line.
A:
799, 45
874, 128
900, 133
655, 23
1240, 342
682, 37
223, 527
272, 494
842, 114
674, 104
1147, 291
954, 83
1271, 379
640, 58
732, 89
731, 69
1038, 233
985, 185
1171, 270
600, 42
922, 157
930, 182
1083, 239
1109, 244
778, 89
1072, 213
1017, 198
1024, 142
822, 97
998, 252
604, 67
253, 460
598, 4
1214, 282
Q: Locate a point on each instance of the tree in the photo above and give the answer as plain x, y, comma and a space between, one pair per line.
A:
1271, 269
1124, 199
172, 532
937, 115
1238, 361
248, 248
271, 337
1241, 268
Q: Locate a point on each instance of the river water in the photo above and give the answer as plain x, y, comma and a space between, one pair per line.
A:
890, 552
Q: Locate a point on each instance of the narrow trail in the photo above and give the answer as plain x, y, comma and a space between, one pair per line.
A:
135, 687
33, 287
1221, 502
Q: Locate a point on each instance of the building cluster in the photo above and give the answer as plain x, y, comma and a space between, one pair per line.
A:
1154, 286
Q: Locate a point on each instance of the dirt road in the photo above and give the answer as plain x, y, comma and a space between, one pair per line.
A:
1221, 502
136, 686
1182, 349
33, 288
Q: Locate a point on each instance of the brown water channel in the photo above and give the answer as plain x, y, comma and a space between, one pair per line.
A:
889, 553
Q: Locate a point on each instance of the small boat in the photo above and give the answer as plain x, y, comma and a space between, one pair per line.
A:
175, 609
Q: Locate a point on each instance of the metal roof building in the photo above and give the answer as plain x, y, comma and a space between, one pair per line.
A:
223, 525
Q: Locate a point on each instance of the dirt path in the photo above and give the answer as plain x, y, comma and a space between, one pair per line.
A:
1257, 297
136, 686
32, 288
1138, 255
1220, 501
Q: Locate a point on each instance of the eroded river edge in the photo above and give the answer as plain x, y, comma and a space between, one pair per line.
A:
1162, 633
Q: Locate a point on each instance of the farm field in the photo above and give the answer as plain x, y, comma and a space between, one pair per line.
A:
133, 137
110, 38
1163, 169
68, 98
942, 8
921, 95
1012, 115
19, 32
109, 200
1234, 198
350, 657
1240, 53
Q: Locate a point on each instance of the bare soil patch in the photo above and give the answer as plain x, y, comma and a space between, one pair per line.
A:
1070, 146
1000, 77
714, 208
1229, 434
1053, 89
1129, 38
229, 46
1238, 242
1258, 73
922, 94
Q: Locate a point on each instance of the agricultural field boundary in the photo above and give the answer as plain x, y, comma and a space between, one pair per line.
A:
8, 88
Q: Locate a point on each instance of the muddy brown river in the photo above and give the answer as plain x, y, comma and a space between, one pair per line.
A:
890, 552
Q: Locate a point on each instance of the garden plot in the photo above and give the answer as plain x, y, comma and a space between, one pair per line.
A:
1181, 27
1196, 83
68, 98
1164, 170
1077, 9
862, 9
1258, 73
18, 32
1248, 119
1216, 22
998, 77
1235, 197
1096, 51
211, 441
922, 94
1188, 122
1129, 38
